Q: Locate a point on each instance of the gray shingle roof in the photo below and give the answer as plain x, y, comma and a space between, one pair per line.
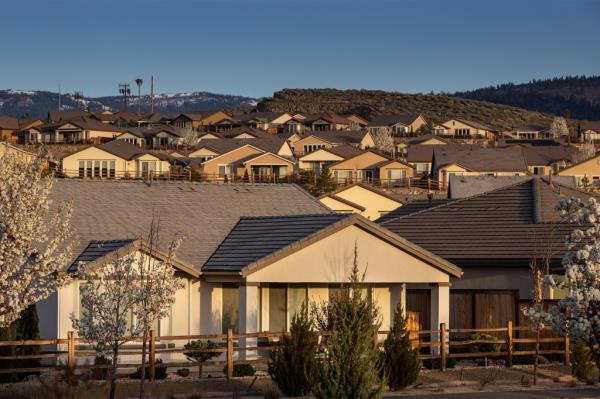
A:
411, 207
507, 226
339, 136
96, 249
253, 238
345, 151
203, 213
547, 155
468, 186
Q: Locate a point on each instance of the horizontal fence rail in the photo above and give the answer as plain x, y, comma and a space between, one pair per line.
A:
195, 176
254, 348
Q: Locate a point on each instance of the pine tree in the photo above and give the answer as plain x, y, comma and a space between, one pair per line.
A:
325, 183
293, 364
350, 369
400, 361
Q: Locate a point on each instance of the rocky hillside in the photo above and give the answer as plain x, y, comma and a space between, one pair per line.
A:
37, 103
572, 96
435, 108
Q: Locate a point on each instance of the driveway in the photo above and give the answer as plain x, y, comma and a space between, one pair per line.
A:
591, 392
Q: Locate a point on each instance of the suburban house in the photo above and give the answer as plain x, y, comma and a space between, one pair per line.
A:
267, 121
589, 131
255, 265
202, 121
362, 199
210, 148
323, 157
242, 132
474, 160
529, 132
398, 125
61, 116
11, 129
461, 128
327, 121
589, 168
493, 238
115, 159
326, 139
371, 167
404, 143
253, 163
357, 122
156, 136
419, 156
77, 131
549, 159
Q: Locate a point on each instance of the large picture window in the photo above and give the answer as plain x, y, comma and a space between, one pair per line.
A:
284, 302
230, 308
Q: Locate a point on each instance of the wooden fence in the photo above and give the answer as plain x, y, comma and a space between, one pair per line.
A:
440, 345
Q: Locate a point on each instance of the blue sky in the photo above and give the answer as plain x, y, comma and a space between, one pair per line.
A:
254, 47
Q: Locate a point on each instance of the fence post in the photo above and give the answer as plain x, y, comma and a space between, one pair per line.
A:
567, 351
70, 350
509, 343
152, 356
229, 353
443, 346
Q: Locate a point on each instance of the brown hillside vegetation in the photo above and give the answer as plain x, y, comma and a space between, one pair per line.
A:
435, 108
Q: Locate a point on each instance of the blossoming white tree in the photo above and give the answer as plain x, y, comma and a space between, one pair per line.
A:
578, 314
110, 294
158, 285
559, 127
34, 248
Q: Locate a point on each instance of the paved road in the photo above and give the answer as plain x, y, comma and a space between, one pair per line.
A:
533, 394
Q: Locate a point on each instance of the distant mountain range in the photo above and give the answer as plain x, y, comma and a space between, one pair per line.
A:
27, 103
575, 97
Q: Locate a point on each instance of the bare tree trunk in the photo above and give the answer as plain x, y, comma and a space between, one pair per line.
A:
200, 369
143, 372
113, 373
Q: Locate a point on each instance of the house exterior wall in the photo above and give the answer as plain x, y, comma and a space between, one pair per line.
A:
211, 167
368, 160
203, 153
376, 205
589, 168
338, 206
70, 163
495, 278
453, 126
269, 159
383, 171
321, 157
367, 142
329, 260
299, 145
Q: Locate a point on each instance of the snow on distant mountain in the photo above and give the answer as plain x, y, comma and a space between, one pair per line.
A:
33, 103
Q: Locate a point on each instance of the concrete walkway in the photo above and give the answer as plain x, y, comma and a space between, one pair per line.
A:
591, 392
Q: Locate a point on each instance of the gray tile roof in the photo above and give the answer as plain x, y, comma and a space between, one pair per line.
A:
481, 159
339, 136
507, 226
468, 186
422, 152
547, 155
411, 207
203, 213
253, 238
96, 249
345, 151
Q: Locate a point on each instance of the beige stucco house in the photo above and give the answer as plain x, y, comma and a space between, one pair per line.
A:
327, 139
78, 130
362, 199
115, 159
462, 128
589, 168
371, 167
398, 125
323, 157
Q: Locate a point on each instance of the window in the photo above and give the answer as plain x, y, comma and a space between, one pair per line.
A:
104, 168
111, 167
81, 168
225, 170
538, 170
96, 168
284, 302
230, 308
396, 174
312, 147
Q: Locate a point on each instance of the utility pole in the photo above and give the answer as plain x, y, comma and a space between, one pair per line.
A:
125, 90
152, 93
139, 82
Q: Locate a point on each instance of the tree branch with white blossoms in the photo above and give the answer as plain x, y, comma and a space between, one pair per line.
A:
34, 240
578, 314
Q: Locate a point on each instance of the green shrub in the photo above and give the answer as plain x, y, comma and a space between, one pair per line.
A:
434, 364
183, 372
160, 371
400, 362
582, 364
487, 347
241, 370
293, 363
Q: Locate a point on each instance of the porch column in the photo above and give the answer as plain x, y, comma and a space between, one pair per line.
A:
397, 296
248, 318
440, 309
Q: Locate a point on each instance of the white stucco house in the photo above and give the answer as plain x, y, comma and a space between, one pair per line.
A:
252, 253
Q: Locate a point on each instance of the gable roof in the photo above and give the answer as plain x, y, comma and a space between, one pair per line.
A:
202, 213
413, 206
468, 186
364, 187
256, 242
124, 150
548, 155
480, 159
257, 133
391, 120
339, 136
344, 151
222, 146
423, 152
471, 123
508, 226
89, 124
